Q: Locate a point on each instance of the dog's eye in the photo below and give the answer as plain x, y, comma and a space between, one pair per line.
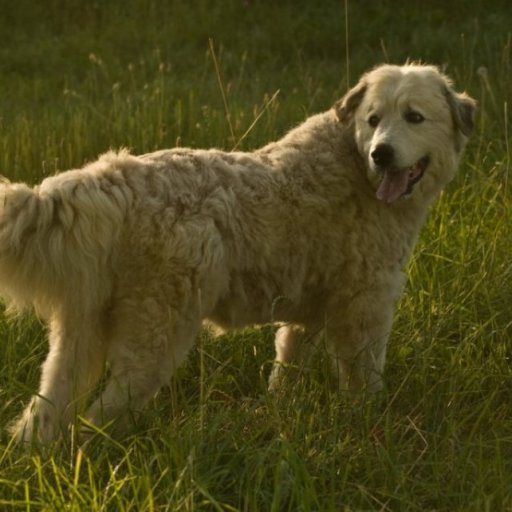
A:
373, 120
414, 117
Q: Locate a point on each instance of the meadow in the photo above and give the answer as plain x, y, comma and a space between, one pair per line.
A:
78, 78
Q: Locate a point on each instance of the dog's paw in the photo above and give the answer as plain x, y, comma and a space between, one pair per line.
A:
35, 426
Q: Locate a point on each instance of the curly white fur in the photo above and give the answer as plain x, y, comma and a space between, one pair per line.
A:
127, 257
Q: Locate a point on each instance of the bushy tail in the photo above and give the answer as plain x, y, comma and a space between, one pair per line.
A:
56, 240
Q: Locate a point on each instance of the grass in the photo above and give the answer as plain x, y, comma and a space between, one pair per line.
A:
78, 78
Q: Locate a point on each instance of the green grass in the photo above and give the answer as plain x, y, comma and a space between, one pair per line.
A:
77, 78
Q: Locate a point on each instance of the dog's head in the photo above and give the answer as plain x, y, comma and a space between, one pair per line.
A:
410, 127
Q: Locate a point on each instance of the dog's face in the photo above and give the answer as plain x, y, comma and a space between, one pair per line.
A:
410, 127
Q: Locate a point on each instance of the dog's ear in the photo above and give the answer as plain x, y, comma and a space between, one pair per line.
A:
463, 109
346, 107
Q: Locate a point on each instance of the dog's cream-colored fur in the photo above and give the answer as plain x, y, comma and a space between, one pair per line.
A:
125, 258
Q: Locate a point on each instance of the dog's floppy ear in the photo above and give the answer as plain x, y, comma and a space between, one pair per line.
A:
463, 109
346, 107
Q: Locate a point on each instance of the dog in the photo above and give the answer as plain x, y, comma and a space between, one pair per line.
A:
127, 257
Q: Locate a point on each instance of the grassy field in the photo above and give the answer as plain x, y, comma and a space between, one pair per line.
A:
77, 78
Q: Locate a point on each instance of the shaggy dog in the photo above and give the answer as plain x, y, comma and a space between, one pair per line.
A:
126, 257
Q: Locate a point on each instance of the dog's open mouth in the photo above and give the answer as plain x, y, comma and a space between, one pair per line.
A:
397, 183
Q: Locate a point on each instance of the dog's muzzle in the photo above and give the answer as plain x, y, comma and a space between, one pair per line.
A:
397, 183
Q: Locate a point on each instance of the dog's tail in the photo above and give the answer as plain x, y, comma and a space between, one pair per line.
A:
57, 239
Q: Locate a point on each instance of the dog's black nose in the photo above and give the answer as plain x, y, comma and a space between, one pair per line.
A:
383, 155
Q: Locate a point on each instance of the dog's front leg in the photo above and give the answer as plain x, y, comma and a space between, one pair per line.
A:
294, 346
356, 342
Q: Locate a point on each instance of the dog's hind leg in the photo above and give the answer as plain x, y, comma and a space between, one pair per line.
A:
71, 369
150, 339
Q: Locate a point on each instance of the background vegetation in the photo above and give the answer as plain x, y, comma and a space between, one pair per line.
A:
77, 78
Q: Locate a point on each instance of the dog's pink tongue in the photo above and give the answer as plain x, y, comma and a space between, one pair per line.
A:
393, 185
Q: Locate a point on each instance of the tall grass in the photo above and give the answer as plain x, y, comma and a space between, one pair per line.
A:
78, 78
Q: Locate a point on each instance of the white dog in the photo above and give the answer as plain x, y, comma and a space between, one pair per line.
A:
127, 257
